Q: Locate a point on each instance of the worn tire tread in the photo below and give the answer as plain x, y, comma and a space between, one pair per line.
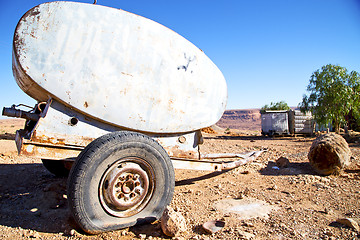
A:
94, 150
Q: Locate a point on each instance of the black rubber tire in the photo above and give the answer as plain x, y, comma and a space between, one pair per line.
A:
59, 168
110, 152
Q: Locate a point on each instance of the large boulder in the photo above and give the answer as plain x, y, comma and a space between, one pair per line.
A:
329, 153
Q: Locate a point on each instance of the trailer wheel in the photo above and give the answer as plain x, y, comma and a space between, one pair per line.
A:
119, 180
59, 168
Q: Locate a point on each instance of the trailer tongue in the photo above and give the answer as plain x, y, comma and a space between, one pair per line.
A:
121, 101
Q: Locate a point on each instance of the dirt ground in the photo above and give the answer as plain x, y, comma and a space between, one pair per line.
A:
305, 205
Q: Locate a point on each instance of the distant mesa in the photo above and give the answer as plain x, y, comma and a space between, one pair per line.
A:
244, 119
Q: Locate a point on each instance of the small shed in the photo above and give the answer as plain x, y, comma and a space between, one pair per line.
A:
301, 123
275, 122
286, 122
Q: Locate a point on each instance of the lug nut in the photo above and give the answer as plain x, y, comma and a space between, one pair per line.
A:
121, 195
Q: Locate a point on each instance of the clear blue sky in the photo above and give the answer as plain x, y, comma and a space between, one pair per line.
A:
267, 50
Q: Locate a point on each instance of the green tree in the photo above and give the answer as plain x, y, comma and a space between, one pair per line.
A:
333, 94
282, 105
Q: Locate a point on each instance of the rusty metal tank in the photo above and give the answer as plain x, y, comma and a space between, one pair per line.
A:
116, 67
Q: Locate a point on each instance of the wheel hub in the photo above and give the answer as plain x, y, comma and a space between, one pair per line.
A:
124, 189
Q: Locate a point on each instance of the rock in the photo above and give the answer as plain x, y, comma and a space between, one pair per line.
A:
208, 130
327, 232
72, 232
34, 210
196, 237
142, 236
329, 153
328, 211
213, 226
172, 223
178, 238
245, 235
282, 162
248, 224
274, 187
246, 191
34, 235
350, 223
69, 232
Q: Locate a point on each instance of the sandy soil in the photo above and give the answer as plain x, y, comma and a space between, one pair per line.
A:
306, 206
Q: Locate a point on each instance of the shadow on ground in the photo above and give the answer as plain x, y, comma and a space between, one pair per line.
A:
7, 136
32, 198
295, 168
258, 138
193, 180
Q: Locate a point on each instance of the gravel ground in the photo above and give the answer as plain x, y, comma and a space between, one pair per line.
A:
33, 202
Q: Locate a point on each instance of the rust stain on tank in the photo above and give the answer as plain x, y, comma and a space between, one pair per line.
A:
127, 74
34, 12
48, 152
62, 141
47, 140
176, 152
171, 105
123, 91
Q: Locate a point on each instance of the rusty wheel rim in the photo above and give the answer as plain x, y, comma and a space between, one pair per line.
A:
126, 187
